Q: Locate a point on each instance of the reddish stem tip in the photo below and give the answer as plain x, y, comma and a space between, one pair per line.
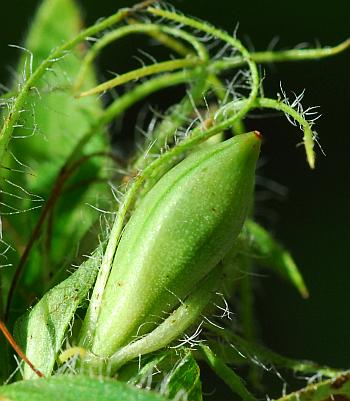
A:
258, 134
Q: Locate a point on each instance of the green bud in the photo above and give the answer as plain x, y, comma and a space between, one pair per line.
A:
179, 232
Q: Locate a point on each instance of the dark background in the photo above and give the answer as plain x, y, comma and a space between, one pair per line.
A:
313, 219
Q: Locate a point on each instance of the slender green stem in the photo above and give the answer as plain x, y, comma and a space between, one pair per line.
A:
163, 134
267, 57
176, 116
220, 91
308, 137
164, 66
144, 89
299, 54
119, 105
171, 43
279, 105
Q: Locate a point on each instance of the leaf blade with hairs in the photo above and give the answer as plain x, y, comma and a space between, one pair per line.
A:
183, 380
41, 332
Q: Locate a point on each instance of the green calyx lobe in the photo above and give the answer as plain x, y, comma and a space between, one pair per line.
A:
179, 232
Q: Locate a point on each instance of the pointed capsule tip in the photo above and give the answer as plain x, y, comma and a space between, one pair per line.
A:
258, 134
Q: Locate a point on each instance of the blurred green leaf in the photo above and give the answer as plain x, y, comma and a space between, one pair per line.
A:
234, 381
73, 388
52, 124
41, 332
58, 119
237, 350
270, 254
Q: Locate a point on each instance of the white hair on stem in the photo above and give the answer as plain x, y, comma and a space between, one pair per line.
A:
310, 114
225, 309
116, 193
20, 188
195, 109
176, 296
31, 58
33, 132
100, 210
148, 55
191, 340
14, 210
212, 323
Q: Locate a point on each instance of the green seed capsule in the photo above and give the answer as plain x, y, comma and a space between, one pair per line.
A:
179, 232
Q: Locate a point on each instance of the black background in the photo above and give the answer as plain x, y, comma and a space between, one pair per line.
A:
313, 220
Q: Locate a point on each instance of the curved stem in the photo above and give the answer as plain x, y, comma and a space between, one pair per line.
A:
266, 57
151, 29
308, 138
279, 105
119, 105
299, 54
255, 81
164, 66
144, 89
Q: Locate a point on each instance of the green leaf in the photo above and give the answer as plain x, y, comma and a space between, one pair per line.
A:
54, 122
272, 255
41, 332
337, 389
183, 381
61, 120
235, 383
73, 388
